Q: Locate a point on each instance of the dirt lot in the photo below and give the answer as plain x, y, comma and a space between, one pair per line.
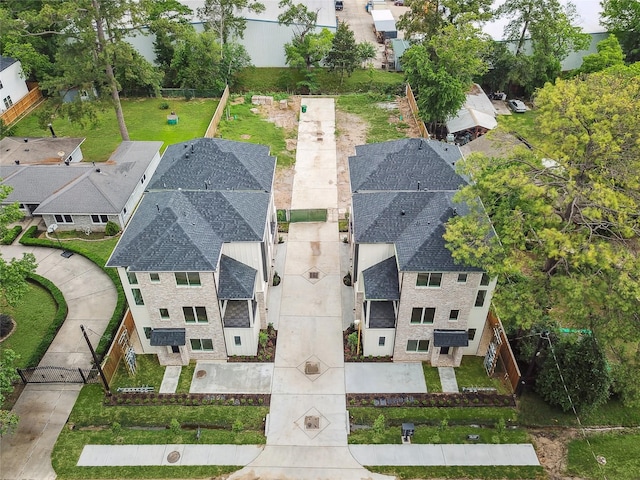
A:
352, 131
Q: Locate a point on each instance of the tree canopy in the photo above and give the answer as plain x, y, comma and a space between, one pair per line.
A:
226, 18
622, 17
608, 55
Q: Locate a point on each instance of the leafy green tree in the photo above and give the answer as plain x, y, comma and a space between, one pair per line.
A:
225, 17
622, 18
426, 18
8, 375
573, 374
609, 54
344, 56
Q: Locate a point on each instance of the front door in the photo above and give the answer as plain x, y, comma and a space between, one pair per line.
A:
444, 350
175, 349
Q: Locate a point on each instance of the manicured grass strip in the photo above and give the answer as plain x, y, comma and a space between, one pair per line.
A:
489, 473
98, 253
90, 410
620, 450
438, 435
395, 416
431, 378
38, 317
145, 121
148, 373
186, 375
471, 373
245, 126
364, 105
534, 412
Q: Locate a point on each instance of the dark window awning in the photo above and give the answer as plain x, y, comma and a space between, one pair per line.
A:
168, 337
450, 338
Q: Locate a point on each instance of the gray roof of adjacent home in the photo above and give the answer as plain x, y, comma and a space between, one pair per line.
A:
168, 337
381, 281
104, 188
450, 338
35, 183
183, 230
213, 163
37, 151
237, 280
6, 62
406, 164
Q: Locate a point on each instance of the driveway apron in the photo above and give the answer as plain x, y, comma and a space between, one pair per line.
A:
44, 408
308, 421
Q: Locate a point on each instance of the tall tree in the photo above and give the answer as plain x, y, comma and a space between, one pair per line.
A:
226, 18
426, 18
622, 18
343, 56
566, 217
608, 55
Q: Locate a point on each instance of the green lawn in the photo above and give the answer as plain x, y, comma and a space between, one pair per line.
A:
245, 126
95, 250
471, 373
456, 473
522, 124
440, 435
33, 316
620, 450
368, 106
431, 378
145, 121
148, 373
433, 415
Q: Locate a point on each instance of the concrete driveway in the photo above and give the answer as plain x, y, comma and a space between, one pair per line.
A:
44, 408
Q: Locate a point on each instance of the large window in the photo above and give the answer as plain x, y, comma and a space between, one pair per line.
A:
201, 344
423, 315
471, 333
195, 314
137, 296
8, 102
429, 280
417, 346
99, 219
190, 279
154, 277
484, 281
133, 279
480, 298
63, 218
462, 278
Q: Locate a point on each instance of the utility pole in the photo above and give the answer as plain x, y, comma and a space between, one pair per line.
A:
97, 363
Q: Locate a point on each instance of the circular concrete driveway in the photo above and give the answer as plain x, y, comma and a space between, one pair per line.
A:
44, 408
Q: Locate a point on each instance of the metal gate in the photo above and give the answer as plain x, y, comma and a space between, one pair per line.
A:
58, 375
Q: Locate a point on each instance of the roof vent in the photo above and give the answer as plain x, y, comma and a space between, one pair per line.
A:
186, 155
455, 212
192, 148
67, 162
26, 140
402, 212
446, 149
420, 145
98, 170
418, 185
17, 162
158, 207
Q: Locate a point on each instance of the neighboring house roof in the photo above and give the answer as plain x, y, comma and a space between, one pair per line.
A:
494, 144
389, 208
35, 183
213, 163
204, 193
168, 337
477, 111
383, 20
406, 164
37, 151
6, 62
381, 281
237, 280
450, 338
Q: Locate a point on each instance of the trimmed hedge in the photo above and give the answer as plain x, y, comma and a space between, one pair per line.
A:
11, 235
29, 239
58, 320
189, 399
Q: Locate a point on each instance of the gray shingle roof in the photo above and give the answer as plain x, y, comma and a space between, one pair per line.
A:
450, 338
6, 62
213, 163
405, 164
168, 337
237, 280
381, 281
36, 183
184, 230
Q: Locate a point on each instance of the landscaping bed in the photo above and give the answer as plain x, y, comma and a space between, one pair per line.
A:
187, 399
470, 399
266, 348
350, 348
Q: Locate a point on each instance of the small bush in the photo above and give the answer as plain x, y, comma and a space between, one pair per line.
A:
6, 324
164, 106
276, 279
111, 229
174, 426
263, 338
352, 341
379, 426
237, 426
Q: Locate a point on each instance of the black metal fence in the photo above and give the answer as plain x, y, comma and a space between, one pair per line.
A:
58, 375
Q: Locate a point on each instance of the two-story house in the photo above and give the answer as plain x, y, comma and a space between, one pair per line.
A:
12, 85
413, 301
195, 259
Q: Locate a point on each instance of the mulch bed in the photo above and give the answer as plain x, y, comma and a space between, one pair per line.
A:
350, 354
477, 399
266, 353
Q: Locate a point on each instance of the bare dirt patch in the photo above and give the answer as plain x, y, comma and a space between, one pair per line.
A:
351, 131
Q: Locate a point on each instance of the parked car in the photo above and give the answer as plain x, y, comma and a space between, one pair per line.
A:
339, 4
517, 106
399, 3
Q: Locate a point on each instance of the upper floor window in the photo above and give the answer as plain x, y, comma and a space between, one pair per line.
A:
484, 281
462, 278
453, 315
195, 314
471, 333
1, 86
429, 280
423, 315
154, 277
480, 298
133, 279
99, 218
137, 296
164, 314
190, 279
7, 102
63, 218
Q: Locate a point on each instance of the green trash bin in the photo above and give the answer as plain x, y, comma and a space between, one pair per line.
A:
304, 109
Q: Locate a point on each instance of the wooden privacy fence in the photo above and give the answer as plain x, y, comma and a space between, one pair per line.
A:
217, 116
414, 110
23, 106
118, 350
499, 349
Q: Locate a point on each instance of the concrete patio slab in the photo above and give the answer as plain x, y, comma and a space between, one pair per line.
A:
303, 256
300, 338
170, 379
313, 232
232, 378
305, 299
385, 378
291, 380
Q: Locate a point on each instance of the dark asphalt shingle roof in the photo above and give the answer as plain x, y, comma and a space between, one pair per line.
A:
6, 62
168, 337
450, 338
177, 231
213, 163
237, 280
381, 281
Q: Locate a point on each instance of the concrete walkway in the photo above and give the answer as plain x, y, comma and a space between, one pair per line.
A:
44, 408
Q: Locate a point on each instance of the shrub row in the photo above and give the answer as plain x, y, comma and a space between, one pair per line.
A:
11, 235
29, 238
479, 399
188, 399
58, 319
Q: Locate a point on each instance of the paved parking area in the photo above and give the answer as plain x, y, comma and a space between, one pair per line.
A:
232, 378
384, 378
